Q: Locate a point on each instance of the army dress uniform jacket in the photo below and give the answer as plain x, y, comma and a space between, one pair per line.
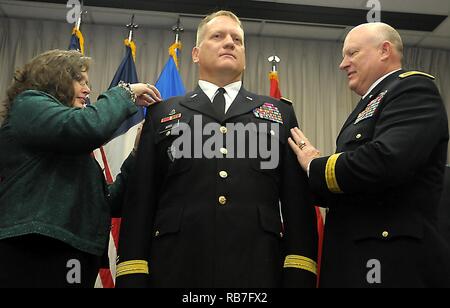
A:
215, 222
382, 189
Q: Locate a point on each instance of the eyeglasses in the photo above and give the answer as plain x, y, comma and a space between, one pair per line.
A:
84, 83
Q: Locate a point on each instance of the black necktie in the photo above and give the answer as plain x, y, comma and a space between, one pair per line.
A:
219, 102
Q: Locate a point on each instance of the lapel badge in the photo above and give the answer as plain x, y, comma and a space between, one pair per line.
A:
370, 109
166, 129
268, 112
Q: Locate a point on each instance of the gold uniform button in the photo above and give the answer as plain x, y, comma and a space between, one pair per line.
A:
223, 151
385, 234
223, 174
223, 130
222, 200
157, 233
358, 136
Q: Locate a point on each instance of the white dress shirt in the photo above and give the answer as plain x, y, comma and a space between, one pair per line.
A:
211, 90
378, 81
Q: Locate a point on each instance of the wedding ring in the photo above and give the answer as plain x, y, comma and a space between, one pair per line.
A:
301, 144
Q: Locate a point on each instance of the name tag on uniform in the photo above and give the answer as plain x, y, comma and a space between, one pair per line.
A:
268, 112
370, 108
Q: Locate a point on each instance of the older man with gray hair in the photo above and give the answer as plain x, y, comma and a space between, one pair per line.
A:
382, 187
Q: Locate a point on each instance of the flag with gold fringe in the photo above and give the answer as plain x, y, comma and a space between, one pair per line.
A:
169, 82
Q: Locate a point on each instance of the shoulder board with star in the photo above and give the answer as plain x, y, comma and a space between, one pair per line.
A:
415, 73
285, 100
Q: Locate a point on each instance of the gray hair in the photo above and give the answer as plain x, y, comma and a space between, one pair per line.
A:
384, 32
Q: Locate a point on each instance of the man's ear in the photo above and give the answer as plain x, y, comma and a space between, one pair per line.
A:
195, 52
386, 50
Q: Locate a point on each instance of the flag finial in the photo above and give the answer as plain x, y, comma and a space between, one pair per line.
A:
177, 29
131, 27
274, 60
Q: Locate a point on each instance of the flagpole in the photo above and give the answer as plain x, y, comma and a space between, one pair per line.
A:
177, 29
78, 22
77, 40
131, 27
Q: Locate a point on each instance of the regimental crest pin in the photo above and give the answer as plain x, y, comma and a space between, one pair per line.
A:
370, 109
268, 112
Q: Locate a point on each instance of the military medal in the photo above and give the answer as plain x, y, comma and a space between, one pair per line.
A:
268, 112
370, 108
171, 117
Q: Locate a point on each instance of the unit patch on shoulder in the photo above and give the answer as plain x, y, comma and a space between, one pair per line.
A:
285, 100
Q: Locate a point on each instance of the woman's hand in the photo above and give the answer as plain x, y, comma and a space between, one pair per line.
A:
146, 94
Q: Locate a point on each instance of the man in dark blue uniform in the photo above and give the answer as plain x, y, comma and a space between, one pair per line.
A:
213, 170
383, 185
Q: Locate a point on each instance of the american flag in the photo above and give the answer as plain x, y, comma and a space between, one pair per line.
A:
112, 155
116, 151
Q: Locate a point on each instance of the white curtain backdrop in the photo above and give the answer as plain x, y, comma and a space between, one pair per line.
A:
308, 72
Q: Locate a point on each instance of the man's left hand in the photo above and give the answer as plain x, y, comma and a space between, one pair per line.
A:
301, 146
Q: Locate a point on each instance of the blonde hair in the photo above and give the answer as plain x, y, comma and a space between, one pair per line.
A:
201, 26
52, 72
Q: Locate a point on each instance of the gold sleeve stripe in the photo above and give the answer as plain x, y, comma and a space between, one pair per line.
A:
301, 262
132, 267
330, 174
412, 73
